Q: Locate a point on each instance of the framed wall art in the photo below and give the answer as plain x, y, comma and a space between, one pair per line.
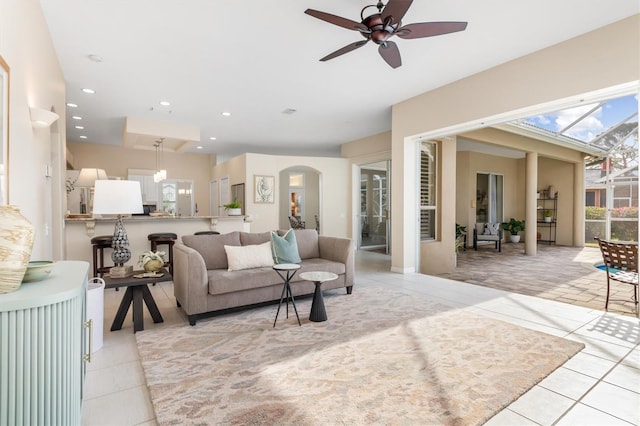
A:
264, 189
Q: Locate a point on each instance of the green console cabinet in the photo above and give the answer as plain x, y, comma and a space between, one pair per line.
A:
42, 348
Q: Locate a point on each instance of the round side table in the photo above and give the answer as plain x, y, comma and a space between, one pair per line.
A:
318, 312
286, 272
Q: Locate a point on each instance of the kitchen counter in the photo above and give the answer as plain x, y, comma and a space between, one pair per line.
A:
80, 230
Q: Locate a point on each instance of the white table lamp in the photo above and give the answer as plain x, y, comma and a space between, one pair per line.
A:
86, 181
118, 197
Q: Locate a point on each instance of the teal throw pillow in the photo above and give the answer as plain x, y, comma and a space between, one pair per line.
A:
285, 248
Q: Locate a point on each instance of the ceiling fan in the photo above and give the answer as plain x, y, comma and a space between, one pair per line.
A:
381, 26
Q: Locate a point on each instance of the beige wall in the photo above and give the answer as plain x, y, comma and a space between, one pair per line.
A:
560, 175
468, 166
334, 192
369, 149
116, 161
535, 79
36, 80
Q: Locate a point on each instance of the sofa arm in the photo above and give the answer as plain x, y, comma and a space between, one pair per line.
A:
339, 250
190, 280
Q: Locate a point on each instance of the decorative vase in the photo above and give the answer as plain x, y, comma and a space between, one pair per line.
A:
547, 219
121, 253
16, 242
153, 265
514, 238
234, 212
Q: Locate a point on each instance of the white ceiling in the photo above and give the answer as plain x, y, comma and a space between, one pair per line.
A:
259, 58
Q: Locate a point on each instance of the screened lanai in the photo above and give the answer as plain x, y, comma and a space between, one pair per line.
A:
607, 132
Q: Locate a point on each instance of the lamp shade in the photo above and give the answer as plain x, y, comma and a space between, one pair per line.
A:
117, 197
88, 177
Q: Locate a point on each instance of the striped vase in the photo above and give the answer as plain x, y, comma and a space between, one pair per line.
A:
16, 242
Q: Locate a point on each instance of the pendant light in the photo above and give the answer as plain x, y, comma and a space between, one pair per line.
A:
160, 174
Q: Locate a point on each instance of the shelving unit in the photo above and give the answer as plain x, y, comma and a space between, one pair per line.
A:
547, 230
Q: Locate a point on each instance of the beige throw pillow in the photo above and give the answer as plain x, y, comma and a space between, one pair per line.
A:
247, 257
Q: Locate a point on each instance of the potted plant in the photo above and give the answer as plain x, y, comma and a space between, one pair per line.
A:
461, 237
514, 226
233, 208
151, 261
547, 215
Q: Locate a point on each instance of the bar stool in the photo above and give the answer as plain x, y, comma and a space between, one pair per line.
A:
99, 244
167, 238
207, 233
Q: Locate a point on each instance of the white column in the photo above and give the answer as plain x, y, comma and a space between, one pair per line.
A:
531, 214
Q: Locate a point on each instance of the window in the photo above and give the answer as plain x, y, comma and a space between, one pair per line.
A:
427, 191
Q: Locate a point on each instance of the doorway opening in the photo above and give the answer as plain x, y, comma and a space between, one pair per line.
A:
374, 206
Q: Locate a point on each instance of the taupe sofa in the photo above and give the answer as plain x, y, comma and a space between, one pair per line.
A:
203, 284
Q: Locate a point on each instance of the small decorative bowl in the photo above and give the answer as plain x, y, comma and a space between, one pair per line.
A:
38, 270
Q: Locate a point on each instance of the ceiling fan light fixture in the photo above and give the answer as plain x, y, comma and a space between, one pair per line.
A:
380, 27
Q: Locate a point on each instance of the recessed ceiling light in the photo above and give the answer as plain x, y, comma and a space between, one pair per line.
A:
77, 117
226, 114
80, 127
83, 137
199, 147
70, 105
213, 138
165, 103
95, 58
90, 91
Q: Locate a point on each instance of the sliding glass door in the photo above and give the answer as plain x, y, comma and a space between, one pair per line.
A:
489, 198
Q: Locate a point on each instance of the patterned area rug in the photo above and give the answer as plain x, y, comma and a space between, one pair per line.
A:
383, 357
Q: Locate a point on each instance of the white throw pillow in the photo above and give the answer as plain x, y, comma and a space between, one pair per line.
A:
492, 229
247, 257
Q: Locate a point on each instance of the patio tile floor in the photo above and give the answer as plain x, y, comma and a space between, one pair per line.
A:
560, 273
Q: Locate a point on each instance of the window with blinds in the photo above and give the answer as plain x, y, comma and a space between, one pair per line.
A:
427, 191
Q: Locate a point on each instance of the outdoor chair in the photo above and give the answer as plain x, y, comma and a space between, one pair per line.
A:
488, 232
621, 262
296, 223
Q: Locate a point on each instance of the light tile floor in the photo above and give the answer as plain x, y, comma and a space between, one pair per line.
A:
599, 386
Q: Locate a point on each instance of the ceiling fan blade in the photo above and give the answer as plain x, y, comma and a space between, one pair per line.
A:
390, 53
337, 20
348, 48
396, 9
429, 29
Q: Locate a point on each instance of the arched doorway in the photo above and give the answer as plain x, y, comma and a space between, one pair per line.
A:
300, 196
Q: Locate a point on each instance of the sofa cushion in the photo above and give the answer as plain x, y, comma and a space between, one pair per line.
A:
211, 247
247, 257
307, 240
222, 281
285, 248
307, 243
249, 238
